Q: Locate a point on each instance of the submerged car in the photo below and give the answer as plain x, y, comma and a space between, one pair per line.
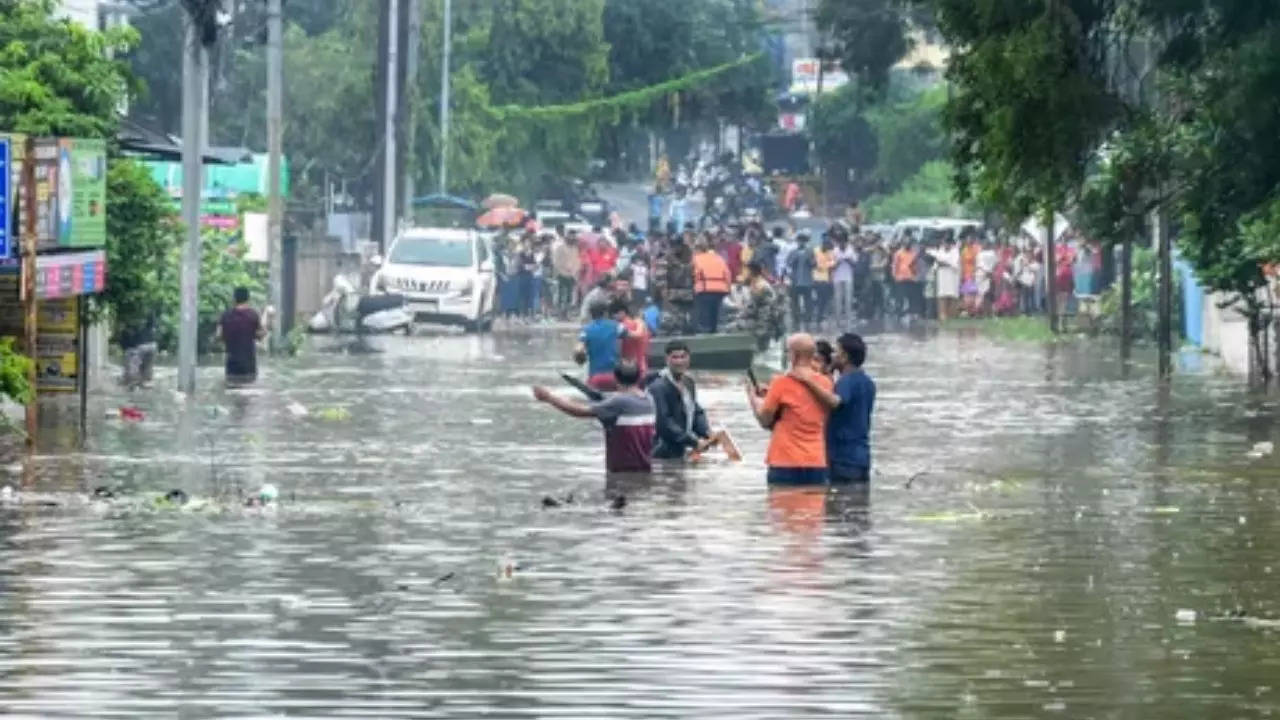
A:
445, 275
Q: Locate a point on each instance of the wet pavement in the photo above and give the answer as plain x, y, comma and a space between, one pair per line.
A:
1075, 541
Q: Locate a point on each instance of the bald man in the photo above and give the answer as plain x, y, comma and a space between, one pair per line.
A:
797, 449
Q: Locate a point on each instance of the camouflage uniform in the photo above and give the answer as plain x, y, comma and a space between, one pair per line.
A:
764, 315
677, 292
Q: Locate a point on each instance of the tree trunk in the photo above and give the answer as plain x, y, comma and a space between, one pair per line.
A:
1051, 272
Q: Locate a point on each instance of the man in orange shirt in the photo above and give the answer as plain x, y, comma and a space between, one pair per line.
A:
798, 448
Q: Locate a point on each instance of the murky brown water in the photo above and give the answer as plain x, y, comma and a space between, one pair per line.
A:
1059, 518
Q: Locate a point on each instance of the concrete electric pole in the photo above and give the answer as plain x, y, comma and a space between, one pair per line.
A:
275, 150
389, 128
195, 103
444, 97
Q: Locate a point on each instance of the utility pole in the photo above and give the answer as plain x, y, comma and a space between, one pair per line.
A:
1165, 291
195, 89
389, 128
408, 106
444, 97
1126, 298
275, 150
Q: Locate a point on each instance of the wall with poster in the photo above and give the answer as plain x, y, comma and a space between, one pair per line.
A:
58, 346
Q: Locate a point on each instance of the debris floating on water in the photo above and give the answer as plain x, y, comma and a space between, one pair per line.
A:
334, 414
1185, 617
1262, 449
481, 421
298, 410
1059, 636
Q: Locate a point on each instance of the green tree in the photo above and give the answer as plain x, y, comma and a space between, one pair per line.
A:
1042, 116
928, 193
143, 233
868, 36
57, 77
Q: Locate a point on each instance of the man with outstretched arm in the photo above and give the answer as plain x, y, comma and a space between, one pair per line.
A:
627, 417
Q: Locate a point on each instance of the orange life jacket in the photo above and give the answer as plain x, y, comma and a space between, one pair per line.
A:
710, 273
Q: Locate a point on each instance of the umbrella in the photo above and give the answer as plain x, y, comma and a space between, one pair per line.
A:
500, 200
501, 217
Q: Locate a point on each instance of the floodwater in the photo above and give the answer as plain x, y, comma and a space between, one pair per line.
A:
1075, 541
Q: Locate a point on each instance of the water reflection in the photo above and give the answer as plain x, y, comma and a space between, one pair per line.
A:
1063, 513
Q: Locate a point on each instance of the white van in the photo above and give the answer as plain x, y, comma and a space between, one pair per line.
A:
445, 275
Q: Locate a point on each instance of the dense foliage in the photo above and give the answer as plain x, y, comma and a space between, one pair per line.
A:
506, 53
58, 78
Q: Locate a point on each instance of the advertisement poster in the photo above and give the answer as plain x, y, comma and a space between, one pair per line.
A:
82, 193
57, 346
46, 171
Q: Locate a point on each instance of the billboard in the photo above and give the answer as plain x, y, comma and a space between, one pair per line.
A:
82, 193
805, 73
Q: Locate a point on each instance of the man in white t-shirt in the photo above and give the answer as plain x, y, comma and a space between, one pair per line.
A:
846, 257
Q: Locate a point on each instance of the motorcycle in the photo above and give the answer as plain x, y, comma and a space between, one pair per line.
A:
346, 310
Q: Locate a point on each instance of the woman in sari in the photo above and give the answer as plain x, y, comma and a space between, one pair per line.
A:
969, 275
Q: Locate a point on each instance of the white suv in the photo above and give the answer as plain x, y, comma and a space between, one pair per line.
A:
445, 276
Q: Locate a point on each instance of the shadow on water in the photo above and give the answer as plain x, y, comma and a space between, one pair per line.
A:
1076, 539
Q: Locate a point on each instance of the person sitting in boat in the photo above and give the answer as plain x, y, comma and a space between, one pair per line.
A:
681, 423
598, 347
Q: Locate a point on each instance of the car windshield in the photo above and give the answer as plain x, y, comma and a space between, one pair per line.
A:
412, 250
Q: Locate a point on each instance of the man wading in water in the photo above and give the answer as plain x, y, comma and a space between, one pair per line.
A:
240, 329
798, 447
682, 425
627, 417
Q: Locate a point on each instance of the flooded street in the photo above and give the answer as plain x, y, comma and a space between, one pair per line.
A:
1045, 537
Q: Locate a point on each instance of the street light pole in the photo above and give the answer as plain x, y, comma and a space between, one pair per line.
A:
275, 150
195, 88
444, 97
389, 128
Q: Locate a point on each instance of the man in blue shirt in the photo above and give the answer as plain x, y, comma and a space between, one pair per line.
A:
598, 348
652, 312
851, 404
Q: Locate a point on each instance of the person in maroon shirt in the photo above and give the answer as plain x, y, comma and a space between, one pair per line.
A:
627, 417
240, 329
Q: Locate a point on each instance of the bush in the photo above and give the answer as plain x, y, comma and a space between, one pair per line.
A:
14, 372
1145, 307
